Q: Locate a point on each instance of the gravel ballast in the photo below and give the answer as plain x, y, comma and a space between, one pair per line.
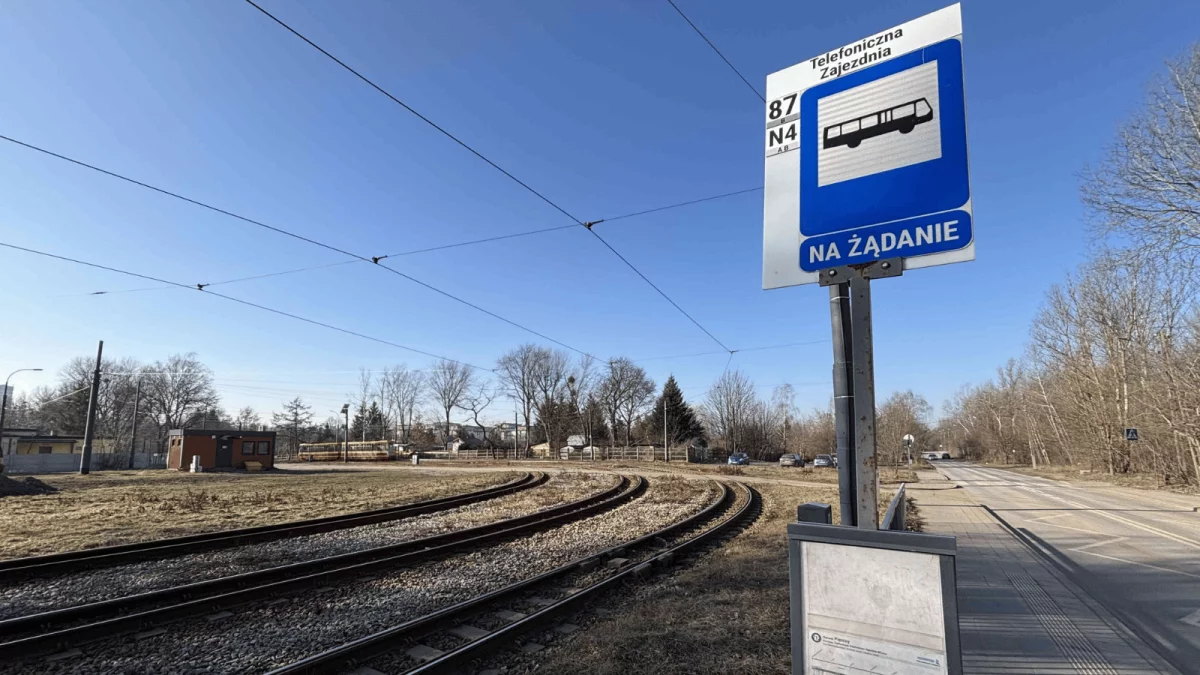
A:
41, 595
267, 636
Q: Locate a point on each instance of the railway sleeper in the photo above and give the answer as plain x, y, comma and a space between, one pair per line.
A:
186, 604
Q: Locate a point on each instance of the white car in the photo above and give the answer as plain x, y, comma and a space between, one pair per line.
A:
931, 456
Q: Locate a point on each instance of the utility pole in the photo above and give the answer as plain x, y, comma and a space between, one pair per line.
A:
137, 398
89, 431
666, 448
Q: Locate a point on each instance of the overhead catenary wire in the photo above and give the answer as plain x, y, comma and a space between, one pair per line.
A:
718, 51
442, 247
374, 260
239, 301
484, 158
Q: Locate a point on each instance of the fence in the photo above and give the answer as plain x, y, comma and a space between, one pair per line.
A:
69, 462
894, 518
634, 454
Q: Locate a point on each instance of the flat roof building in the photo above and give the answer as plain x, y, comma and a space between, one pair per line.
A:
220, 448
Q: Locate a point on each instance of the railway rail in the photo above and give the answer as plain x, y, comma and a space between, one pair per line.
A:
75, 561
469, 630
57, 630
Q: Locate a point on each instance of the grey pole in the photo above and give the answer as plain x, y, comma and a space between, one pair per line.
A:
666, 448
137, 398
346, 446
843, 400
866, 473
89, 431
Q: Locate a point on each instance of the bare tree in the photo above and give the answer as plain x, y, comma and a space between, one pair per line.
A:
1148, 189
476, 401
614, 389
727, 405
247, 418
449, 381
549, 380
639, 394
517, 370
177, 392
580, 385
403, 390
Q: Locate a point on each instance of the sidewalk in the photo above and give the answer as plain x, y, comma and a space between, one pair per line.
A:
1017, 616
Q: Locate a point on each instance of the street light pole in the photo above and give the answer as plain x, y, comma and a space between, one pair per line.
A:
4, 403
346, 445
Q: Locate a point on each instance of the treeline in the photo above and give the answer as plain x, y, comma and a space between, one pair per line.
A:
1116, 345
176, 392
607, 403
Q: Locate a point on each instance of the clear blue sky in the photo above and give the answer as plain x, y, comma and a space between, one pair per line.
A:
605, 107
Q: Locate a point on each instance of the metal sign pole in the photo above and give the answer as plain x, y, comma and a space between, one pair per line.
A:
843, 400
865, 467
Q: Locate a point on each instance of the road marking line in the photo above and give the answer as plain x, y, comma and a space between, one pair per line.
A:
1059, 515
1114, 540
1193, 618
1132, 523
1076, 529
1139, 564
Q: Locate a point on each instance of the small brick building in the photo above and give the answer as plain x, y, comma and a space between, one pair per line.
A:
220, 448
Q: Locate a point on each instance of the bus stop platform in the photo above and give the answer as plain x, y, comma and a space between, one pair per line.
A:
1018, 615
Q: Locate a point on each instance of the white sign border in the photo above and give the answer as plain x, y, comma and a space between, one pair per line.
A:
781, 180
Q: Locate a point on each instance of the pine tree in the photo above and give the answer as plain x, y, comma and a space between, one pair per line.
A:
682, 424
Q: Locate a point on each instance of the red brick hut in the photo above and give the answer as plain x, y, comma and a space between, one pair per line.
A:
220, 448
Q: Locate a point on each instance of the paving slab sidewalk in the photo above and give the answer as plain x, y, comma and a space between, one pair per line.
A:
1018, 615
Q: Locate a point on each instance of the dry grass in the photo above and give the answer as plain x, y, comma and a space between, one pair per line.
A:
726, 614
1075, 473
117, 507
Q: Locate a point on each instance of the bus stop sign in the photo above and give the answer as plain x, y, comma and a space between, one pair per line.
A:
866, 155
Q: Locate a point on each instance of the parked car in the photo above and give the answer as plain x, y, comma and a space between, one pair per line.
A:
945, 455
791, 460
739, 459
931, 456
824, 460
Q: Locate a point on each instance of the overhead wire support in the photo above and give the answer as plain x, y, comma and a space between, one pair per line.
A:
279, 230
240, 301
718, 51
494, 165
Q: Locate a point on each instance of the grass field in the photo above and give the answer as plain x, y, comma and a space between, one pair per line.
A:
726, 614
117, 507
1075, 473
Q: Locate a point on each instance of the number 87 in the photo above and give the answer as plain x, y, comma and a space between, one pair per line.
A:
777, 106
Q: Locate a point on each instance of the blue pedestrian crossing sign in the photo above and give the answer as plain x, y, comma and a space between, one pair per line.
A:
866, 155
1131, 434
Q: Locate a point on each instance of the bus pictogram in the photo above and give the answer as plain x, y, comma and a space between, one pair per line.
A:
903, 118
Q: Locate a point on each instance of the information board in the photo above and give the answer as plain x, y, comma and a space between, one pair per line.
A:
868, 601
866, 155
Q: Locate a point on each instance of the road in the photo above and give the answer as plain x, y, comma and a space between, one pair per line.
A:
1135, 551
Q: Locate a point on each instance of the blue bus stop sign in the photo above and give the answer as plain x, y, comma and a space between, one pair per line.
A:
866, 155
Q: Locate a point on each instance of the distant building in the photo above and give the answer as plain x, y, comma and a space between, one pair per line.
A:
11, 437
220, 448
508, 430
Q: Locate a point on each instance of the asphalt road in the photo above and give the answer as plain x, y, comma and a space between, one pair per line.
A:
1138, 551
